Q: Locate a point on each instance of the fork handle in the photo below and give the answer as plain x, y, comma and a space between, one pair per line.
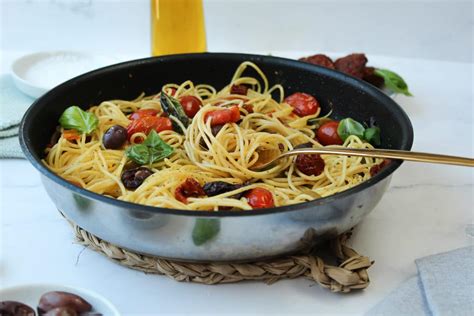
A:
387, 153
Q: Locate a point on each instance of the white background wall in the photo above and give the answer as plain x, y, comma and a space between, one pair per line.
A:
420, 29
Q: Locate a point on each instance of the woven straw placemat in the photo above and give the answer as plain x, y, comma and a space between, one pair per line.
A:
350, 274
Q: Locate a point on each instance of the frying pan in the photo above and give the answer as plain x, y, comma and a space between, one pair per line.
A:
209, 236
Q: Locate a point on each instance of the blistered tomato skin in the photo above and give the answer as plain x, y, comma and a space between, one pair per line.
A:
310, 164
260, 198
142, 113
147, 124
191, 105
327, 134
303, 104
189, 188
220, 117
377, 168
239, 89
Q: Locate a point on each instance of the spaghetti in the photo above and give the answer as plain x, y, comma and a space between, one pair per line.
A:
208, 152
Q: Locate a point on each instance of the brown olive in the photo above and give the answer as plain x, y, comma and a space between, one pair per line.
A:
12, 308
51, 300
114, 137
133, 178
61, 311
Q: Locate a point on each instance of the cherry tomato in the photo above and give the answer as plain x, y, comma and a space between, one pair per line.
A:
259, 198
220, 117
376, 169
171, 91
239, 89
189, 188
303, 104
327, 134
148, 123
71, 134
142, 113
310, 164
191, 105
248, 108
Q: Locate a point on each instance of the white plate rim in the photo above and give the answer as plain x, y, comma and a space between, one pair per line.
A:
36, 90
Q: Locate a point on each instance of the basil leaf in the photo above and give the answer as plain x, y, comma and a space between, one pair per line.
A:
138, 153
348, 127
172, 107
153, 139
372, 135
393, 81
75, 118
205, 229
153, 149
157, 147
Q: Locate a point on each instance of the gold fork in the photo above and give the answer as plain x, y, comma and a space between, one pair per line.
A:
270, 156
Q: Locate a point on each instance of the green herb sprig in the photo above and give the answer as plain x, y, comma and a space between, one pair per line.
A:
153, 149
76, 118
393, 81
349, 126
172, 107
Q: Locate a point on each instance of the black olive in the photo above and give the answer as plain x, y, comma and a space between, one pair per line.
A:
115, 137
12, 308
55, 137
219, 187
214, 130
133, 178
304, 145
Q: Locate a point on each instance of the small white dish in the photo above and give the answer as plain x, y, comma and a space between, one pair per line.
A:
36, 73
31, 293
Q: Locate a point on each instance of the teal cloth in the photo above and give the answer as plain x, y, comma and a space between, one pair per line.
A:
13, 104
444, 286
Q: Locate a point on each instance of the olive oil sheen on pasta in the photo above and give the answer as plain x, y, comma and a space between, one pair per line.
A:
177, 26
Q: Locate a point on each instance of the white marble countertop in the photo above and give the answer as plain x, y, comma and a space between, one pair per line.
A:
427, 210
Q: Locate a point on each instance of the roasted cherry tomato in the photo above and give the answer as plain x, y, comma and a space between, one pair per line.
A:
303, 104
310, 164
248, 108
259, 198
239, 89
191, 105
171, 91
220, 117
376, 169
71, 134
189, 188
148, 123
142, 113
327, 134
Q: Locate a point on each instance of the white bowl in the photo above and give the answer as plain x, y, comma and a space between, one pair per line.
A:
30, 294
34, 74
